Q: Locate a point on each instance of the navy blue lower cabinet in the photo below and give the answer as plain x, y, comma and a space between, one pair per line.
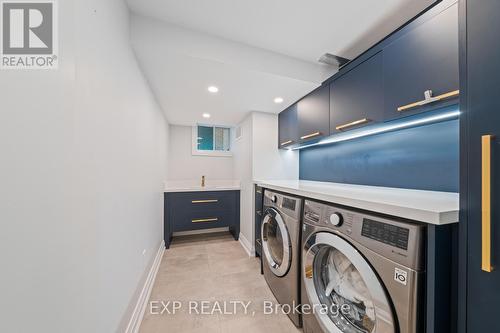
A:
187, 211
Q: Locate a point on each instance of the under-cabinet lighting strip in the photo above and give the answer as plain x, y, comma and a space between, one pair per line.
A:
383, 129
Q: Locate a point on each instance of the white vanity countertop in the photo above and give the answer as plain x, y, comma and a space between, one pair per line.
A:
195, 185
424, 206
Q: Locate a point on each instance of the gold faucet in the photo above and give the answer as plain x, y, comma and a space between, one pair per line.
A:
202, 181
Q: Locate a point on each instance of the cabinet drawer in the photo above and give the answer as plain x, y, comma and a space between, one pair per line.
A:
203, 220
203, 201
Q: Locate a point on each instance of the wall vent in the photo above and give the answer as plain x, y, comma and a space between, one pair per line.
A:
239, 133
333, 60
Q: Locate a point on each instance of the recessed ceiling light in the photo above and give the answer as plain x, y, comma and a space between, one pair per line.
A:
213, 89
278, 100
206, 115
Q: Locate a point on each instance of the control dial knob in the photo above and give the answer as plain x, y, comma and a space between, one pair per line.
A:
336, 219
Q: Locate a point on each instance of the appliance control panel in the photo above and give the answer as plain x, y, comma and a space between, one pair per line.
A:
397, 239
285, 204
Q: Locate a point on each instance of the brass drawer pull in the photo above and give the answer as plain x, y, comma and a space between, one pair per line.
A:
309, 136
286, 143
205, 220
486, 203
429, 99
353, 123
204, 201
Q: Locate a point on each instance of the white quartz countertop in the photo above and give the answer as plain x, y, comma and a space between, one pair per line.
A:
424, 206
195, 185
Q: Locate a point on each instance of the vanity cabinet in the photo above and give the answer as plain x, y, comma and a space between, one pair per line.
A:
287, 129
423, 59
313, 115
187, 211
357, 97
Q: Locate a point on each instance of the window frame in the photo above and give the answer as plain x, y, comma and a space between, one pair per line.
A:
214, 153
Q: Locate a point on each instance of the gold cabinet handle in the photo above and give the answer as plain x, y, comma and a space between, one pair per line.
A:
309, 136
205, 220
204, 201
486, 203
429, 99
286, 143
353, 123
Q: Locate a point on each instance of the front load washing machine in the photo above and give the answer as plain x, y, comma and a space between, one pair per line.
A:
280, 234
361, 273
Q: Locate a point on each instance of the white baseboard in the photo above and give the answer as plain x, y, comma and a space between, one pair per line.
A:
247, 246
142, 302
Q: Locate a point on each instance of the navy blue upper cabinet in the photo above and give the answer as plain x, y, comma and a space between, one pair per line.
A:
287, 127
425, 58
313, 113
357, 97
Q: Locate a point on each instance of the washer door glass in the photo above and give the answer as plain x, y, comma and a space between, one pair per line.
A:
340, 281
276, 242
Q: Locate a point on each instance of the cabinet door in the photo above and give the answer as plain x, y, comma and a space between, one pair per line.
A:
357, 97
480, 187
426, 58
314, 115
287, 126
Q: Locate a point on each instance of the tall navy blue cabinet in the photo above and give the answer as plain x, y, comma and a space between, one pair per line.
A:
480, 168
425, 58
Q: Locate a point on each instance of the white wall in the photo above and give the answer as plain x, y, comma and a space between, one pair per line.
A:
183, 165
257, 157
83, 161
269, 162
242, 156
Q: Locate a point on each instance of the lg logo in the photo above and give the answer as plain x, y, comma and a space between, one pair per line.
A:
400, 276
28, 34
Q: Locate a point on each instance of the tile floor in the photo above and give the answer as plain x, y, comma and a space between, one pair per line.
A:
213, 268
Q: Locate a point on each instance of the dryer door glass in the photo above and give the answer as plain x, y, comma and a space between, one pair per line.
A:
337, 278
276, 243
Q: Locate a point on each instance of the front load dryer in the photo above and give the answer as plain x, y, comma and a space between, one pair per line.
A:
361, 273
280, 235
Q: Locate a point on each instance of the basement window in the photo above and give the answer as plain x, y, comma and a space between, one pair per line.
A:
211, 140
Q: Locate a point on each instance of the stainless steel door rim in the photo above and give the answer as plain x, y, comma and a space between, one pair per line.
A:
278, 268
384, 320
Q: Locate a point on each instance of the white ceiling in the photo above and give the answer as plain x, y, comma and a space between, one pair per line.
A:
252, 50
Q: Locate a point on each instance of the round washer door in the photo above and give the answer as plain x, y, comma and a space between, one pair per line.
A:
276, 242
345, 293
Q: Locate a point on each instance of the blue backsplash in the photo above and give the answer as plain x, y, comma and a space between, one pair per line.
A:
425, 158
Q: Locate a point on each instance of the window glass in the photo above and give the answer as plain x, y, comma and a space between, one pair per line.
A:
205, 138
213, 138
339, 285
222, 138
